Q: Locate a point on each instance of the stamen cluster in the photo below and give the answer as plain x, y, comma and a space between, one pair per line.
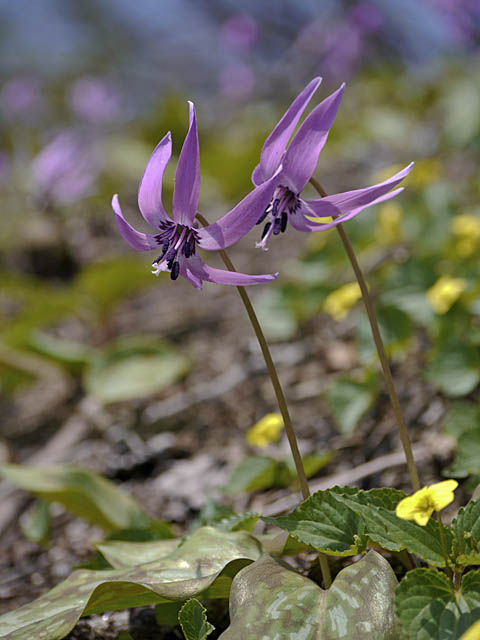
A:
178, 244
283, 204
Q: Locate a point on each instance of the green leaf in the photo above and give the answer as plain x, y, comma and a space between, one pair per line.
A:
84, 493
326, 524
462, 416
466, 528
349, 399
35, 523
392, 533
108, 281
134, 367
467, 459
256, 473
64, 351
122, 555
454, 369
270, 600
166, 613
193, 620
193, 568
429, 609
275, 316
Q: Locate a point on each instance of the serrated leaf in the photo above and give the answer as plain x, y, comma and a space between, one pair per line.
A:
191, 569
429, 609
392, 533
270, 600
326, 524
349, 399
465, 526
193, 620
134, 367
256, 472
467, 459
84, 493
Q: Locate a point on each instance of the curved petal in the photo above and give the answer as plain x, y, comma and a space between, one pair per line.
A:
150, 189
187, 177
302, 154
199, 269
238, 222
301, 223
350, 200
275, 144
137, 240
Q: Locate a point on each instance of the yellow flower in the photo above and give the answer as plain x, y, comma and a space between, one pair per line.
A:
338, 303
472, 633
388, 228
466, 229
267, 430
424, 502
445, 292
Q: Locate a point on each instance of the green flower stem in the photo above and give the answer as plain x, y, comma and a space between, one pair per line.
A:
282, 403
444, 546
407, 447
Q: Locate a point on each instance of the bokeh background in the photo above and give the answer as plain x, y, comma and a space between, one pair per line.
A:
162, 381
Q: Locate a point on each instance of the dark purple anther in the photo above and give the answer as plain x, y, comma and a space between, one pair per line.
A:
265, 229
263, 216
277, 226
170, 257
187, 249
175, 270
275, 204
284, 221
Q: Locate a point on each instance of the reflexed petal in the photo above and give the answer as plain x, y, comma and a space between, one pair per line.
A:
277, 141
137, 240
238, 222
350, 200
187, 177
197, 267
317, 208
150, 190
302, 154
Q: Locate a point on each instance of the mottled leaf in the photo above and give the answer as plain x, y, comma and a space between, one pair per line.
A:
193, 620
84, 493
270, 600
134, 367
190, 569
429, 609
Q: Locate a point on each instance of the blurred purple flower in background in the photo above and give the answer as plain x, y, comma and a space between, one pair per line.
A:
237, 81
299, 161
180, 237
66, 168
20, 97
94, 100
239, 32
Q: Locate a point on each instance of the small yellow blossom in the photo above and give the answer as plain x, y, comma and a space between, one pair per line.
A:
424, 502
466, 229
266, 431
388, 229
338, 303
445, 292
472, 633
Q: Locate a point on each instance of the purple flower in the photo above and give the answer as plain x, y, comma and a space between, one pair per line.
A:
178, 239
298, 162
94, 100
66, 168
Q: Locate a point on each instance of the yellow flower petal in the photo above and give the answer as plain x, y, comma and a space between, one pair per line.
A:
338, 303
265, 431
420, 506
472, 633
445, 292
442, 493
